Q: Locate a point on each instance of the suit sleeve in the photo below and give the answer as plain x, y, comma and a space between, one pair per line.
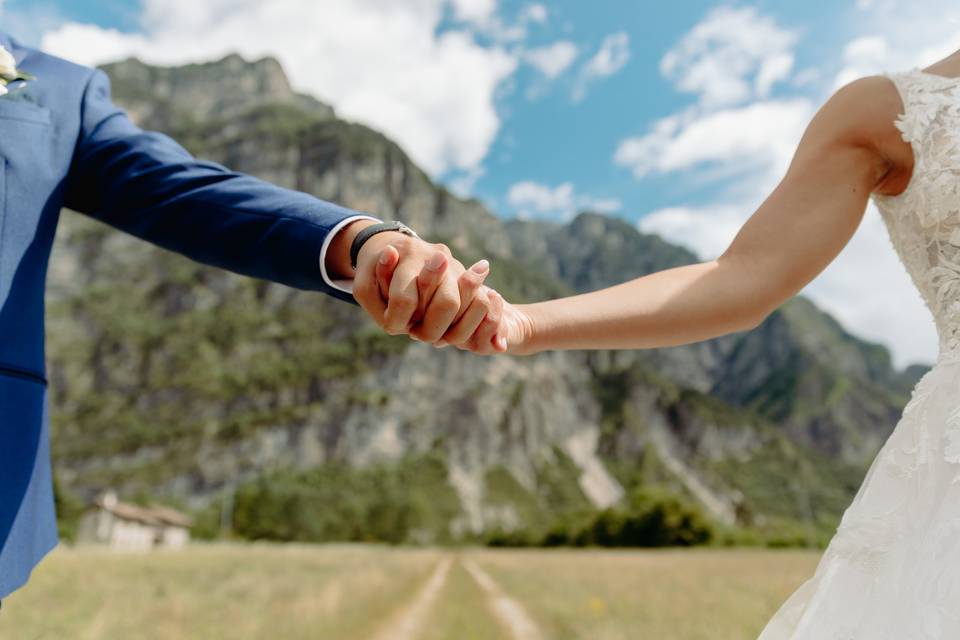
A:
146, 184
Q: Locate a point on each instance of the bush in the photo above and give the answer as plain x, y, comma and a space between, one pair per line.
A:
649, 518
69, 509
409, 501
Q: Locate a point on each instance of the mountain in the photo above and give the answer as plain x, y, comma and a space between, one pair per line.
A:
172, 379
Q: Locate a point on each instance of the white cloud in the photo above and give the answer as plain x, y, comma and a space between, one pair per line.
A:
601, 205
863, 56
717, 58
553, 59
534, 197
809, 77
483, 18
610, 58
774, 69
900, 35
760, 136
535, 12
478, 11
706, 231
380, 63
535, 200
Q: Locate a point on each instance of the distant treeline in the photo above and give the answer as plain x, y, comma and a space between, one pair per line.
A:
412, 502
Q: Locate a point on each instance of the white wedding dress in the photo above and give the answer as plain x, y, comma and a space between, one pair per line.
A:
892, 570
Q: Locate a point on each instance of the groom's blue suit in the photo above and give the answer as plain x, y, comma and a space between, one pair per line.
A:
63, 144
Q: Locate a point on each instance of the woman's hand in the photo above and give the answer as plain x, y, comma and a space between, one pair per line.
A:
505, 328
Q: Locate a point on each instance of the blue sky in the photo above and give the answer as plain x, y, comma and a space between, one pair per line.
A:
680, 117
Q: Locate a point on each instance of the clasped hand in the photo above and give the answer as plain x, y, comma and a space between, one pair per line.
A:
410, 286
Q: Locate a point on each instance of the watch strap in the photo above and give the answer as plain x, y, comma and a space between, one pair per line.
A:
368, 232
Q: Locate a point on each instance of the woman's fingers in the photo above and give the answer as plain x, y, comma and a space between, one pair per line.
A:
450, 302
440, 313
500, 344
469, 284
482, 340
461, 330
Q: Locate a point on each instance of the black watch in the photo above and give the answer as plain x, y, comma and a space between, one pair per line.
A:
368, 232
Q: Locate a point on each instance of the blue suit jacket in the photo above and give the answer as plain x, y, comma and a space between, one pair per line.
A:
63, 144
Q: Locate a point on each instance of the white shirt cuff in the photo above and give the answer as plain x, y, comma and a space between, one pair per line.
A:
345, 284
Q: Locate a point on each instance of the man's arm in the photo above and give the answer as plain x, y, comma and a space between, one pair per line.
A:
146, 184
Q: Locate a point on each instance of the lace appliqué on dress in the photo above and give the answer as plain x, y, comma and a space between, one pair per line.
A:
924, 220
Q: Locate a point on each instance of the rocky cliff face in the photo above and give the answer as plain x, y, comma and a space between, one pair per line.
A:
177, 379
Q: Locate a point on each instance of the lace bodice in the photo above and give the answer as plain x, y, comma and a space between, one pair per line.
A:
924, 220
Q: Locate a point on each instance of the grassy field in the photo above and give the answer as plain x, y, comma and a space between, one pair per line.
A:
376, 593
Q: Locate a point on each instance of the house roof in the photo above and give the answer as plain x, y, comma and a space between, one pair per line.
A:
155, 514
171, 516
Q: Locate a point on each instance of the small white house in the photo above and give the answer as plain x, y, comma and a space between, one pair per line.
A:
129, 527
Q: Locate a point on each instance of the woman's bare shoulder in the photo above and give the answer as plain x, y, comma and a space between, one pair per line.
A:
862, 113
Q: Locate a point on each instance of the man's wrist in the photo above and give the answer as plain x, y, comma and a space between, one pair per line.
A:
369, 232
337, 257
379, 242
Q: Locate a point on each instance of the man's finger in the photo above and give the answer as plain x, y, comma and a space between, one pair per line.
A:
428, 281
386, 263
366, 285
402, 297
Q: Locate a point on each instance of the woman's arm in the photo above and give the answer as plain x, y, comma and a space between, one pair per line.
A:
798, 230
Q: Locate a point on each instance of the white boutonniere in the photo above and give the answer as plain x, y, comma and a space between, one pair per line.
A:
9, 72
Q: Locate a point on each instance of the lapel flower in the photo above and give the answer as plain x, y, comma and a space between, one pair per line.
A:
9, 72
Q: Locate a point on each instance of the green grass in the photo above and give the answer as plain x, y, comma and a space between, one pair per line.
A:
215, 591
350, 592
677, 594
459, 616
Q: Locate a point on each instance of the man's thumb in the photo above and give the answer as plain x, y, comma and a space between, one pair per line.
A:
386, 264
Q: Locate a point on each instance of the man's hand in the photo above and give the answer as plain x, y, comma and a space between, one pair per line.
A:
410, 286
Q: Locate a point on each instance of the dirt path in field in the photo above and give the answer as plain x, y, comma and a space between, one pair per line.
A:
508, 611
408, 624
